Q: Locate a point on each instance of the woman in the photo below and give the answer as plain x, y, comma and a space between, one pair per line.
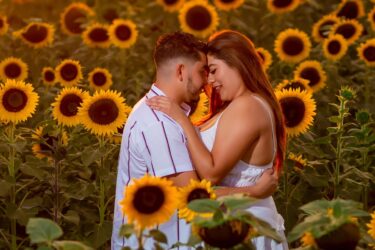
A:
245, 134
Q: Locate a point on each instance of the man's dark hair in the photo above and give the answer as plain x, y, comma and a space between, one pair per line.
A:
177, 44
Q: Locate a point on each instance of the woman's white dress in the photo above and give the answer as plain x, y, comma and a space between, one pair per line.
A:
244, 174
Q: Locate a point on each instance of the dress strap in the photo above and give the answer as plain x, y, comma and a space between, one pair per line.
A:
270, 114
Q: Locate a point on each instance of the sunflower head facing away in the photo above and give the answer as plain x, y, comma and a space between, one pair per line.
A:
195, 190
297, 83
104, 112
96, 36
46, 144
292, 45
350, 9
73, 17
36, 34
69, 73
123, 33
149, 201
171, 5
312, 71
282, 6
366, 52
13, 68
18, 101
198, 18
100, 78
298, 109
299, 163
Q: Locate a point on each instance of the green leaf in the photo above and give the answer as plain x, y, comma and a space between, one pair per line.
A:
204, 205
127, 230
159, 236
70, 245
43, 230
239, 202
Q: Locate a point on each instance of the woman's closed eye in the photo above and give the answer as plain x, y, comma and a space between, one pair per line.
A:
212, 71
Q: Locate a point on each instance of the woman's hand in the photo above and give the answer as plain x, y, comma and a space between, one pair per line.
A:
167, 106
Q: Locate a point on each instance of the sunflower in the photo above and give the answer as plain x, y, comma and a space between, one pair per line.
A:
292, 45
335, 47
198, 18
73, 16
297, 83
313, 71
123, 33
201, 109
69, 72
149, 201
3, 25
46, 143
350, 9
100, 78
265, 56
13, 68
104, 112
18, 101
228, 4
298, 109
370, 18
96, 36
171, 5
299, 162
371, 226
36, 34
195, 190
351, 29
282, 6
366, 51
308, 240
48, 76
323, 27
116, 138
65, 107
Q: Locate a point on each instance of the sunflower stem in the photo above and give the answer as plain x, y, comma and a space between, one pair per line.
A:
140, 239
365, 188
101, 184
56, 190
13, 225
340, 127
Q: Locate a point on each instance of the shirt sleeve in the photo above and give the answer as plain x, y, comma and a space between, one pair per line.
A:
165, 150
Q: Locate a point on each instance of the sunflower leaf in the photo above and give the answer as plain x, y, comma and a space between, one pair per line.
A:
204, 205
158, 236
43, 230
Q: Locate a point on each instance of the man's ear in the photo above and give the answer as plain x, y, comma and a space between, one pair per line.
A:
180, 72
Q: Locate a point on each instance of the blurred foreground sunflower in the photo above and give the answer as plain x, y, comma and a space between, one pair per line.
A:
4, 26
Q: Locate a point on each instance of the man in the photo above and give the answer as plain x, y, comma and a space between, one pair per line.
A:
153, 143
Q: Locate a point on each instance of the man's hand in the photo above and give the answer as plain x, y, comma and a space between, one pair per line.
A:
266, 184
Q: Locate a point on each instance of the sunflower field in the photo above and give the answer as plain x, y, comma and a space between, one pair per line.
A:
71, 71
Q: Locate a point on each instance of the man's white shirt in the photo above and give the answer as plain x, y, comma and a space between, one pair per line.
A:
155, 144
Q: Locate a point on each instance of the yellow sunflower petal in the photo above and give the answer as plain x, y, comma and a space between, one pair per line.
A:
292, 45
4, 26
13, 68
104, 112
123, 33
36, 34
322, 28
198, 18
350, 9
296, 83
312, 71
48, 76
370, 18
228, 5
266, 57
350, 29
282, 6
96, 35
335, 47
371, 226
65, 107
298, 109
201, 109
299, 162
366, 52
149, 201
308, 239
73, 16
171, 6
69, 73
18, 101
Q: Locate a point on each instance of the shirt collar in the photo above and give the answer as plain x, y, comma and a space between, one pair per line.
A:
154, 91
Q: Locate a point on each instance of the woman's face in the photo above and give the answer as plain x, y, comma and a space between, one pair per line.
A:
226, 80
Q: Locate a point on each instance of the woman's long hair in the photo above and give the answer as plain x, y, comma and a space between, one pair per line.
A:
237, 51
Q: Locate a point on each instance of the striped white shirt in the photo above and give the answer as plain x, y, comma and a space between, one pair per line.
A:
152, 143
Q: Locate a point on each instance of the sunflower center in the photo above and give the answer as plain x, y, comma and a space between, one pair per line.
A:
350, 10
35, 33
110, 15
1, 23
198, 193
12, 70
48, 142
281, 3
69, 72
103, 111
346, 30
369, 53
198, 18
312, 75
14, 100
293, 110
99, 35
325, 27
295, 85
123, 32
49, 76
334, 47
99, 79
293, 46
148, 199
170, 2
74, 19
69, 104
227, 1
